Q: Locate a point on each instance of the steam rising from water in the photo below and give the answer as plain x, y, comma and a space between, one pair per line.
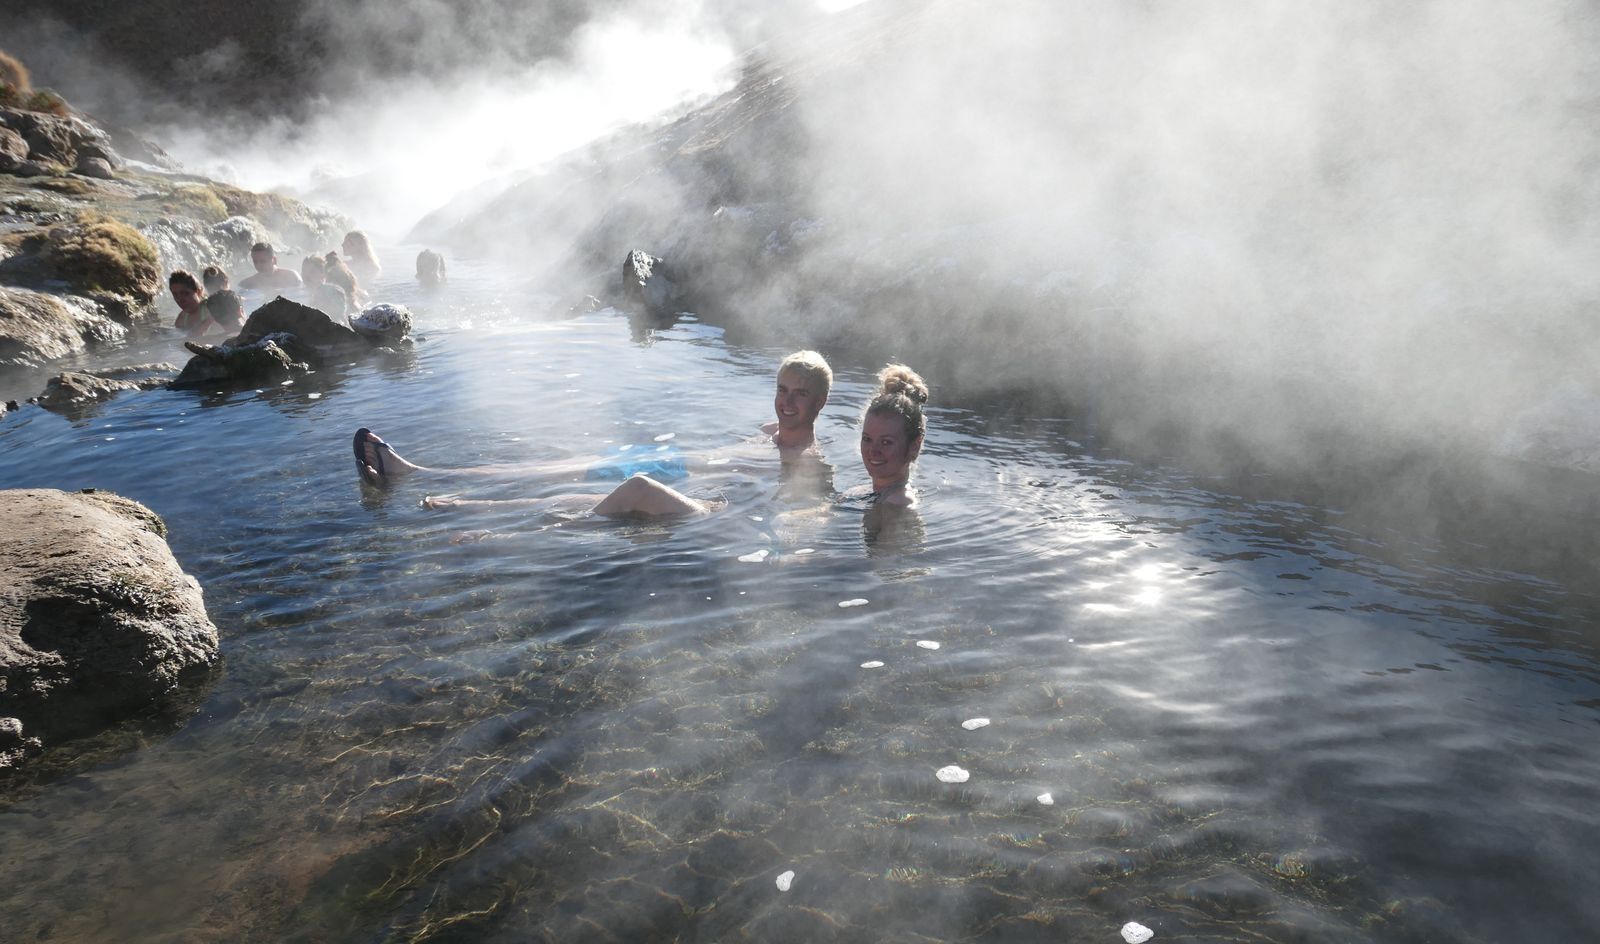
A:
400, 147
1384, 209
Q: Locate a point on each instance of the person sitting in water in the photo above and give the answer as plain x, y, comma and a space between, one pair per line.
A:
892, 428
804, 380
317, 292
430, 269
358, 255
215, 280
226, 310
186, 292
340, 276
269, 279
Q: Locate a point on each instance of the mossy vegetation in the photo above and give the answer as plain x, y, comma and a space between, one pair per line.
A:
46, 100
17, 91
197, 201
102, 255
72, 186
270, 208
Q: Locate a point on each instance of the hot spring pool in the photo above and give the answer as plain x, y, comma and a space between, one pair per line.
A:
1227, 719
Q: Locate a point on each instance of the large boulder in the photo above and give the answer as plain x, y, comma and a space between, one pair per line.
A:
310, 327
648, 286
98, 623
36, 327
58, 139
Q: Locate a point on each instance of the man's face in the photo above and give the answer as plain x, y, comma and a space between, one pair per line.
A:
263, 261
797, 402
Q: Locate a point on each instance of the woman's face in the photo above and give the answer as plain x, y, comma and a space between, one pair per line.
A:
886, 450
311, 273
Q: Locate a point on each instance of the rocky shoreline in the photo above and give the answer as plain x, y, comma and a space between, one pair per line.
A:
98, 622
91, 222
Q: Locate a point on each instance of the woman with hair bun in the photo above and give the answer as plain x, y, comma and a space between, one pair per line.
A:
892, 428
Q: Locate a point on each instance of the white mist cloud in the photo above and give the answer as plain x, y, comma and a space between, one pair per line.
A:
1392, 206
405, 145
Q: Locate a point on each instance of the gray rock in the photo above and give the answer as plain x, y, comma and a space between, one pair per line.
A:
97, 167
383, 322
13, 149
262, 360
69, 391
646, 284
58, 139
36, 328
98, 622
317, 334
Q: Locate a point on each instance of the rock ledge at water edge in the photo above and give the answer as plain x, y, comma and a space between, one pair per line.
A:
98, 623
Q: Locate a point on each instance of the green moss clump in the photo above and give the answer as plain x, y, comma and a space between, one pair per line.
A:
47, 101
196, 201
100, 254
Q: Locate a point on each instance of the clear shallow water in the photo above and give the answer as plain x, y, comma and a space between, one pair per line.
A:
1253, 723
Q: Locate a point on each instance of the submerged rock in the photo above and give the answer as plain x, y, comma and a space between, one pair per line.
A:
98, 623
71, 390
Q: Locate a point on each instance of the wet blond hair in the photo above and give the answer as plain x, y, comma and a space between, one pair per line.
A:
813, 366
902, 392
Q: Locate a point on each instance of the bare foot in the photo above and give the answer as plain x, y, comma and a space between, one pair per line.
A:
436, 502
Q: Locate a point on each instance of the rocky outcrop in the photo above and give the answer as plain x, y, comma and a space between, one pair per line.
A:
36, 328
258, 361
61, 140
283, 338
647, 285
71, 391
90, 254
313, 330
13, 150
98, 623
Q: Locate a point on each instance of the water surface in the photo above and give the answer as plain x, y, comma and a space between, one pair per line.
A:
1252, 721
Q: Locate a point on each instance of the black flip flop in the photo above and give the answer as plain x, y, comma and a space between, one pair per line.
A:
362, 436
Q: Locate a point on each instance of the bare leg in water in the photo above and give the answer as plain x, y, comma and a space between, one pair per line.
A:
639, 495
379, 464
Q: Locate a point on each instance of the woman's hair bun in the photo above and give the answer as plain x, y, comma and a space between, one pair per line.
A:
898, 378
